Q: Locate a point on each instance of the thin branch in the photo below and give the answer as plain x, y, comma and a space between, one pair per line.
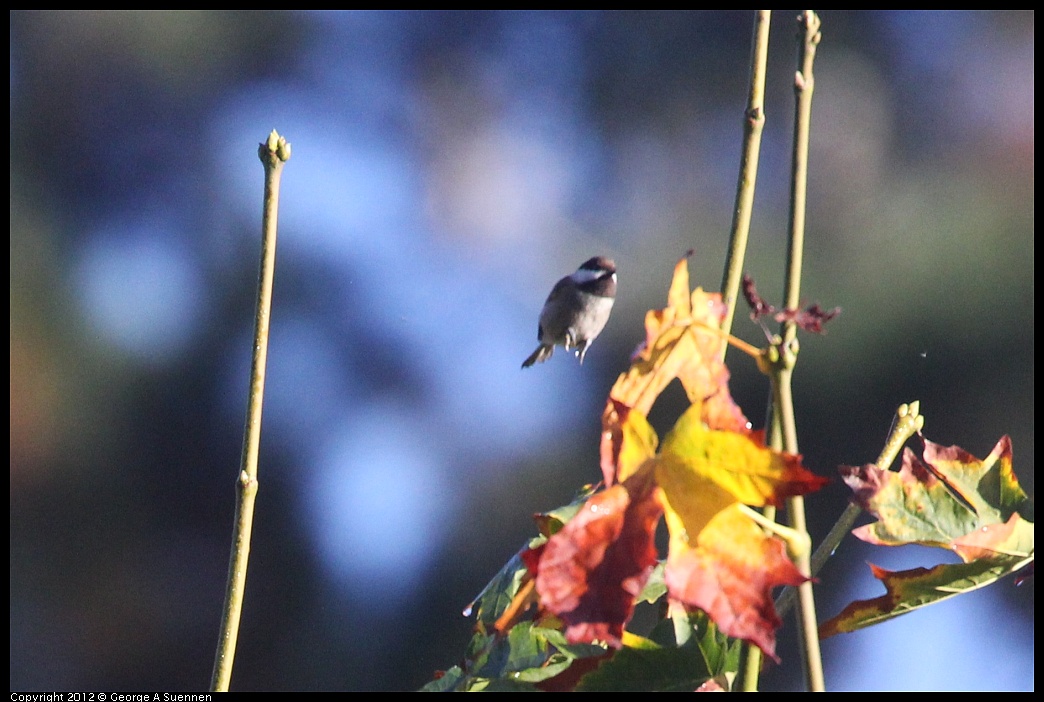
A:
753, 125
273, 153
804, 83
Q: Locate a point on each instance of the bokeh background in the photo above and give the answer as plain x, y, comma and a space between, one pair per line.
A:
447, 168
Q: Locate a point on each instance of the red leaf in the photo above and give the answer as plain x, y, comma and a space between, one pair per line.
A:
592, 570
811, 319
758, 306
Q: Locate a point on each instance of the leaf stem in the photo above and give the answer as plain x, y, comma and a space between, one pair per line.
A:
728, 339
273, 154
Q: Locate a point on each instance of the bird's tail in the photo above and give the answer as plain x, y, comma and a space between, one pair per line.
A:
542, 353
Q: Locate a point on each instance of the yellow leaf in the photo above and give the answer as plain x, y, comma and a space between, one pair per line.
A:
737, 462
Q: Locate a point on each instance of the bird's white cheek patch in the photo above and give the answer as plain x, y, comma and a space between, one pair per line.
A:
583, 276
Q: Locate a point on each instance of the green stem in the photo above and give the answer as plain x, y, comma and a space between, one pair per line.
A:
807, 626
908, 422
783, 360
753, 125
804, 82
273, 153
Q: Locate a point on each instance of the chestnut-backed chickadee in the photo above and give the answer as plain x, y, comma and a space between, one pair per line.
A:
576, 310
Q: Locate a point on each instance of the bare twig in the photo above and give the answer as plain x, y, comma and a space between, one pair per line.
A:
273, 153
753, 125
804, 82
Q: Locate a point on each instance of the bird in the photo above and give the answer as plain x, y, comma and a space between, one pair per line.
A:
576, 310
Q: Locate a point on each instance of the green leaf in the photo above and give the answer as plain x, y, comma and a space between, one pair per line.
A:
911, 589
447, 682
648, 666
655, 587
499, 591
949, 499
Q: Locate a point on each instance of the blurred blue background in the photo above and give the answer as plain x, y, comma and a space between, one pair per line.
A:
447, 168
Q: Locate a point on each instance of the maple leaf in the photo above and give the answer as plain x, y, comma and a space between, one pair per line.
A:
737, 462
701, 660
948, 499
719, 560
682, 341
729, 573
555, 617
592, 570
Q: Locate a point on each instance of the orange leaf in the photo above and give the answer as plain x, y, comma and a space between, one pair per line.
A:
630, 442
681, 341
719, 560
729, 571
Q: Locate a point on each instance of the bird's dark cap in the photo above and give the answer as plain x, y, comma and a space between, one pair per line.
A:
599, 263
